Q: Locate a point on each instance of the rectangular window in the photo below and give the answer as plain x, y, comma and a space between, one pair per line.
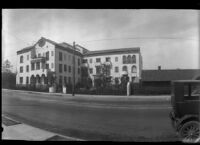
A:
27, 80
51, 53
98, 59
47, 55
21, 80
27, 57
91, 70
60, 68
65, 80
51, 65
116, 59
69, 69
60, 80
69, 80
37, 65
21, 69
107, 59
60, 56
107, 70
21, 59
32, 66
43, 65
64, 56
65, 67
85, 60
27, 68
78, 61
78, 70
39, 55
98, 70
116, 69
47, 66
90, 60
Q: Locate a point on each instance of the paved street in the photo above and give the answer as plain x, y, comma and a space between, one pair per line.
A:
116, 119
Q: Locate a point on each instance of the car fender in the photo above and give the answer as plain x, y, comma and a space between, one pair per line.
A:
185, 119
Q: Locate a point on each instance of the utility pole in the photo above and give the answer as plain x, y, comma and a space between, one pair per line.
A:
73, 86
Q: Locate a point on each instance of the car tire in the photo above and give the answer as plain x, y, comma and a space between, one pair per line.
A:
190, 132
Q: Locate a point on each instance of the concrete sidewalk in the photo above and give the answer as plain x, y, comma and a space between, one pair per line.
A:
146, 97
13, 130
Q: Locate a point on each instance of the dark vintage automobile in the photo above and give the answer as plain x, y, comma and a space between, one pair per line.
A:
185, 115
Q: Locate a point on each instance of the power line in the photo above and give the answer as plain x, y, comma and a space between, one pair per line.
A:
140, 38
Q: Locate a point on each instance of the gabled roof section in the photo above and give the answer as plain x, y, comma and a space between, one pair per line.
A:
26, 49
169, 75
64, 46
113, 51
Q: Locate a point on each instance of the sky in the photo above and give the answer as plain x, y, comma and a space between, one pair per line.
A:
169, 38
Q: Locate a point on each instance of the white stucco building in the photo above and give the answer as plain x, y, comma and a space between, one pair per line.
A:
34, 63
120, 62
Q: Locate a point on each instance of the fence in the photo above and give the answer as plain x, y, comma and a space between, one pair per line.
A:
150, 90
136, 89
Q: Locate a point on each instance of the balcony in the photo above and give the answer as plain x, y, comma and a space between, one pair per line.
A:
85, 64
108, 63
38, 59
98, 63
39, 72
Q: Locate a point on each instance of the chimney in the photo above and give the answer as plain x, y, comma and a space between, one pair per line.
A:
159, 67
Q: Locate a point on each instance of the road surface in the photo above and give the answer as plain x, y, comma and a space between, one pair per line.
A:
90, 119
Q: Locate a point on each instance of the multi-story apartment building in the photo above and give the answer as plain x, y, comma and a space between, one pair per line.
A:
34, 62
120, 62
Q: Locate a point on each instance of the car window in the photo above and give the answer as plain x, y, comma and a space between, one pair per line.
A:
195, 90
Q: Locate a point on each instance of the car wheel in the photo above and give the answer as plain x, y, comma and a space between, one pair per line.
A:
190, 131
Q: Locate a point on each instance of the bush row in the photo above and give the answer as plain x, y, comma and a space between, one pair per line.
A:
29, 87
111, 90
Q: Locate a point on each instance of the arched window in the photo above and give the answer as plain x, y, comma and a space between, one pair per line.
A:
129, 59
133, 59
133, 69
21, 59
124, 59
124, 68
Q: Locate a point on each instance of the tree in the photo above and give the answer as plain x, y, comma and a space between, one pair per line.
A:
124, 81
103, 78
8, 77
51, 77
6, 66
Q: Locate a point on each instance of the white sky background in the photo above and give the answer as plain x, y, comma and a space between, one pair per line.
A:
169, 38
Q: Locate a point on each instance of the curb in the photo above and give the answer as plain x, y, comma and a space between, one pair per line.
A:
162, 97
14, 130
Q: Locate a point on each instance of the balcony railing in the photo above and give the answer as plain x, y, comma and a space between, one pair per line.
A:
98, 63
39, 71
38, 59
85, 64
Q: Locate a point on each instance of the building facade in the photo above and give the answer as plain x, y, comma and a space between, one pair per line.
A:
117, 62
34, 63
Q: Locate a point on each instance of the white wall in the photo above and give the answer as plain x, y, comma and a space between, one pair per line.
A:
24, 64
69, 62
118, 64
47, 47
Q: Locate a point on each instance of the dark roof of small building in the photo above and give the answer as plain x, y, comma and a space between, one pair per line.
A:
169, 75
186, 81
113, 51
